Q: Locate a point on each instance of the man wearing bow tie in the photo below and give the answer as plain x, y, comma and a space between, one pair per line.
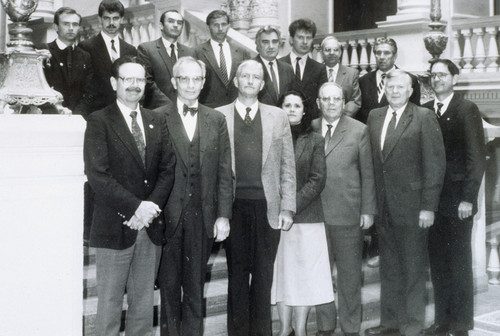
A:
199, 207
129, 162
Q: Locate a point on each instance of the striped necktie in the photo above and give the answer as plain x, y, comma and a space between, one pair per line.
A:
223, 66
138, 137
380, 87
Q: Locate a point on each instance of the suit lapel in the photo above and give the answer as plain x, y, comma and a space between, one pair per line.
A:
230, 130
404, 121
204, 130
164, 55
121, 128
378, 123
268, 86
300, 146
101, 47
337, 136
283, 78
453, 106
210, 54
236, 59
151, 133
341, 75
267, 131
177, 133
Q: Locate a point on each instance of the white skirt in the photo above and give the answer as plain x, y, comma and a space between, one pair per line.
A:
302, 275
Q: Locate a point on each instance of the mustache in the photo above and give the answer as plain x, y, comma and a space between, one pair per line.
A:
134, 89
111, 26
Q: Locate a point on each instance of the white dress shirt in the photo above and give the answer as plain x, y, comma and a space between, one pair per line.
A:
167, 44
276, 72
302, 62
128, 119
227, 54
445, 102
387, 120
107, 41
189, 121
242, 109
379, 78
324, 127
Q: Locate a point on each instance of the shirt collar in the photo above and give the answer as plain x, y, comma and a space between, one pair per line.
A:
167, 44
126, 110
324, 127
61, 45
266, 62
380, 72
180, 106
399, 111
241, 108
108, 39
335, 68
215, 44
445, 102
293, 57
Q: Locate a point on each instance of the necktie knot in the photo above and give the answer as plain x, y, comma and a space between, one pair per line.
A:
220, 45
383, 75
439, 107
248, 119
133, 115
271, 64
192, 110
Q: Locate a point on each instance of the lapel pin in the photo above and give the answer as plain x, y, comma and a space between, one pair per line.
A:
151, 126
61, 64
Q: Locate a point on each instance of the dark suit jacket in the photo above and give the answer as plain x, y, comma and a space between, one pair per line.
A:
215, 163
102, 92
348, 78
119, 178
463, 135
72, 81
159, 64
350, 183
369, 95
311, 176
409, 173
314, 76
286, 78
215, 93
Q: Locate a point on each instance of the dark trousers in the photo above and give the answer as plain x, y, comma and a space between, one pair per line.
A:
251, 249
450, 257
403, 258
345, 248
182, 275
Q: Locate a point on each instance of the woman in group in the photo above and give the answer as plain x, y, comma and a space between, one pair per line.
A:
302, 269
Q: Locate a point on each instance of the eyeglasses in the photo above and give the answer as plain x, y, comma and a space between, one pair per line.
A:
131, 80
326, 100
248, 76
440, 75
331, 50
186, 80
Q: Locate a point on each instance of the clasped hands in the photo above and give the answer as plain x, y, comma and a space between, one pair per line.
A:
144, 215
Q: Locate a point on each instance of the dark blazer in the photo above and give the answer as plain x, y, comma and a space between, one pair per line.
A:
71, 81
409, 173
350, 183
159, 65
287, 81
463, 135
369, 95
314, 76
215, 93
348, 78
215, 163
310, 170
119, 178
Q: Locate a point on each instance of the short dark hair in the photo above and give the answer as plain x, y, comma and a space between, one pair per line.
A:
384, 40
217, 14
452, 67
115, 68
267, 30
162, 17
308, 104
65, 10
111, 6
302, 24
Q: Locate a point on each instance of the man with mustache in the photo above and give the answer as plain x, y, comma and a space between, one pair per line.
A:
129, 162
160, 55
105, 48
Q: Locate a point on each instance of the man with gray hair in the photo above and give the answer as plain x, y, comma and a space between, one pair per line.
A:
409, 163
264, 166
278, 75
199, 206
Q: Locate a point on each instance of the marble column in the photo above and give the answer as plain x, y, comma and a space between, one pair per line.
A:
3, 30
240, 15
409, 11
45, 10
263, 13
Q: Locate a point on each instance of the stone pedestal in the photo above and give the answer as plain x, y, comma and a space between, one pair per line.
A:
408, 11
263, 13
41, 248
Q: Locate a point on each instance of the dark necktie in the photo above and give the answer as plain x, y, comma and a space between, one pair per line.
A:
331, 75
138, 137
114, 52
391, 127
380, 87
172, 53
328, 135
438, 111
248, 119
69, 62
192, 110
297, 69
113, 46
223, 66
274, 80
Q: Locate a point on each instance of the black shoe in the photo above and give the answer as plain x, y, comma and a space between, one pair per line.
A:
457, 333
435, 330
381, 331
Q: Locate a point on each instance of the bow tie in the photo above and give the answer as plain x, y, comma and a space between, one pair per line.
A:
192, 110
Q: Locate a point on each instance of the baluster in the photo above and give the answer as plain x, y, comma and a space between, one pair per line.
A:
127, 36
354, 54
363, 60
151, 30
373, 63
457, 53
345, 53
493, 263
492, 50
468, 56
480, 55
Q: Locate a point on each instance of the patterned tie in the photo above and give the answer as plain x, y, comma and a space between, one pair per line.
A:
138, 137
114, 55
297, 69
380, 87
331, 75
223, 66
274, 80
328, 135
172, 53
391, 127
248, 119
438, 111
192, 110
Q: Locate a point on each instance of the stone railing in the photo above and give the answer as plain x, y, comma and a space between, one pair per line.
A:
475, 44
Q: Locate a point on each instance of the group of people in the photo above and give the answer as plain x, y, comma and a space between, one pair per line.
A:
286, 160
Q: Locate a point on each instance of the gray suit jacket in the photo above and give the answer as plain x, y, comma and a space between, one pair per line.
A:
278, 159
350, 181
348, 78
